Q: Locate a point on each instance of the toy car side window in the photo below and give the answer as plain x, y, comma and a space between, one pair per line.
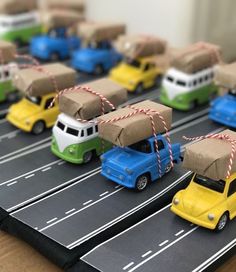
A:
48, 103
147, 67
232, 188
89, 131
160, 145
96, 129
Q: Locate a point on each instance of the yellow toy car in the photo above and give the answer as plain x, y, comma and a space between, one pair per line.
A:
137, 75
32, 114
206, 202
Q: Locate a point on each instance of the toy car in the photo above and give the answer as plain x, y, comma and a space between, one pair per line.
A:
137, 75
223, 109
7, 90
20, 28
76, 142
136, 166
206, 202
97, 58
55, 45
32, 114
185, 91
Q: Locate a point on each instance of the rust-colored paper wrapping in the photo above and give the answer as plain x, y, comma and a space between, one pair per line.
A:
17, 6
225, 76
193, 58
84, 105
98, 31
37, 83
210, 157
139, 46
7, 51
136, 128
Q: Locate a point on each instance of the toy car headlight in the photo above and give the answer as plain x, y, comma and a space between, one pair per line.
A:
72, 150
132, 82
176, 201
211, 216
27, 122
128, 171
102, 158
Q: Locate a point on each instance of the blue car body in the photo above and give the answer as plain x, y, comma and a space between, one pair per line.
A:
103, 55
125, 165
223, 110
56, 43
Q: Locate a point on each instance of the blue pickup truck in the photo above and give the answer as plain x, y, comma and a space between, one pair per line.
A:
97, 58
54, 45
223, 109
136, 166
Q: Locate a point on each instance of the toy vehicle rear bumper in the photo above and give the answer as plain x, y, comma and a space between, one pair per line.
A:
194, 220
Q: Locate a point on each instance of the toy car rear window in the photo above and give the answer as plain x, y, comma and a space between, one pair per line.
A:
143, 146
215, 185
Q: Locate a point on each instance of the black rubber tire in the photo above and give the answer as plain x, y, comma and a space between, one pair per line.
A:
139, 89
142, 182
99, 70
38, 128
222, 223
87, 157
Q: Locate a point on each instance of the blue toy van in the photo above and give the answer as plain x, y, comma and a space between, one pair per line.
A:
56, 45
136, 166
97, 58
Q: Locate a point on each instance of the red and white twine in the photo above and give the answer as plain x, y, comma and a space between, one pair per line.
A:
224, 137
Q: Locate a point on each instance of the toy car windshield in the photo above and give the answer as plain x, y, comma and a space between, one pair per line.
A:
232, 92
34, 99
134, 63
216, 185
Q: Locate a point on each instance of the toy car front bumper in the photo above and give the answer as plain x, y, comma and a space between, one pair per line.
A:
222, 118
19, 123
122, 179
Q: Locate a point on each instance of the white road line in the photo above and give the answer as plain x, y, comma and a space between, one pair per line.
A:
163, 243
3, 112
36, 228
14, 132
62, 162
52, 220
128, 265
30, 172
46, 169
3, 121
147, 253
180, 232
12, 136
12, 183
30, 176
105, 193
87, 202
80, 210
163, 249
191, 224
70, 211
117, 186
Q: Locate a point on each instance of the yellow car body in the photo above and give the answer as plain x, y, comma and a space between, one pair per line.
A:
137, 75
205, 206
30, 111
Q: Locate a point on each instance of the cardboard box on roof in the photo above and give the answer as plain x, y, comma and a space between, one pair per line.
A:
225, 76
136, 128
99, 31
195, 58
60, 18
16, 6
17, 256
210, 157
140, 46
7, 52
75, 5
83, 105
36, 82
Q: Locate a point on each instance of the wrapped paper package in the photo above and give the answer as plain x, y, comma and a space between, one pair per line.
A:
136, 128
83, 105
210, 157
7, 52
17, 6
36, 82
95, 31
225, 76
195, 58
140, 46
74, 5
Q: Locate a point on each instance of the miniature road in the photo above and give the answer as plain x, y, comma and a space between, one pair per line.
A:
161, 242
73, 223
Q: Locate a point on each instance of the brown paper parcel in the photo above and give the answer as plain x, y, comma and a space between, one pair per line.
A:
75, 5
16, 6
37, 83
84, 105
96, 31
191, 59
225, 76
139, 46
58, 18
7, 51
136, 128
210, 157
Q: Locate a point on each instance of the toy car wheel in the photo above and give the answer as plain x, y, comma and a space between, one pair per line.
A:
193, 105
168, 168
139, 89
55, 57
38, 128
87, 156
212, 96
158, 81
98, 70
222, 222
142, 182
